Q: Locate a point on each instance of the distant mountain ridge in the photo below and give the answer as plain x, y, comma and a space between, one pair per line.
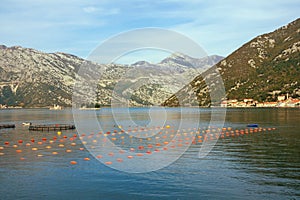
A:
32, 78
187, 61
262, 69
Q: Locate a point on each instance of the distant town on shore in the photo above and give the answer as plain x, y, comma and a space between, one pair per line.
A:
282, 101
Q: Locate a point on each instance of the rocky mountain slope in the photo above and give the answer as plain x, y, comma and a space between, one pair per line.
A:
145, 83
262, 69
32, 78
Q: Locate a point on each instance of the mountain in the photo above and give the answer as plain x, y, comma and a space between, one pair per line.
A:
150, 84
32, 78
261, 69
183, 61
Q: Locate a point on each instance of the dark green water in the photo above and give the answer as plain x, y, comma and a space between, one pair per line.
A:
264, 165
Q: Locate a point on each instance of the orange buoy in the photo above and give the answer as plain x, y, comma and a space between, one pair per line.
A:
54, 152
140, 154
34, 149
148, 152
130, 157
1, 153
68, 150
40, 143
20, 141
1, 148
15, 146
81, 149
111, 154
22, 158
108, 163
44, 139
86, 159
28, 144
119, 159
121, 151
19, 151
73, 162
99, 156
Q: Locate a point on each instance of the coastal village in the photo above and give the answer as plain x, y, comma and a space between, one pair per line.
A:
282, 101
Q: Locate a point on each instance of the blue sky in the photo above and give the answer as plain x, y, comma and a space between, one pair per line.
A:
79, 26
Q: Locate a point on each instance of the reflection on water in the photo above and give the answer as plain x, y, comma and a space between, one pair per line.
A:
255, 166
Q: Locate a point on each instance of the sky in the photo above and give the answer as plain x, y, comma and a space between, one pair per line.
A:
79, 26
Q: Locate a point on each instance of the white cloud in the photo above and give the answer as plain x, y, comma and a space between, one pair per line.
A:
101, 11
220, 26
223, 26
90, 9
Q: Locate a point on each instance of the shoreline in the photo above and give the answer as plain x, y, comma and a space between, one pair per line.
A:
97, 109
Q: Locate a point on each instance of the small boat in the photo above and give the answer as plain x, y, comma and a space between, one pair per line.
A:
26, 123
252, 125
55, 107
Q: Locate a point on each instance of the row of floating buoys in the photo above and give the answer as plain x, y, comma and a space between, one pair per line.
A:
196, 135
37, 146
164, 140
231, 133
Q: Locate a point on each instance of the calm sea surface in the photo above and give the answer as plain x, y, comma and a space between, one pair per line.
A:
262, 165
